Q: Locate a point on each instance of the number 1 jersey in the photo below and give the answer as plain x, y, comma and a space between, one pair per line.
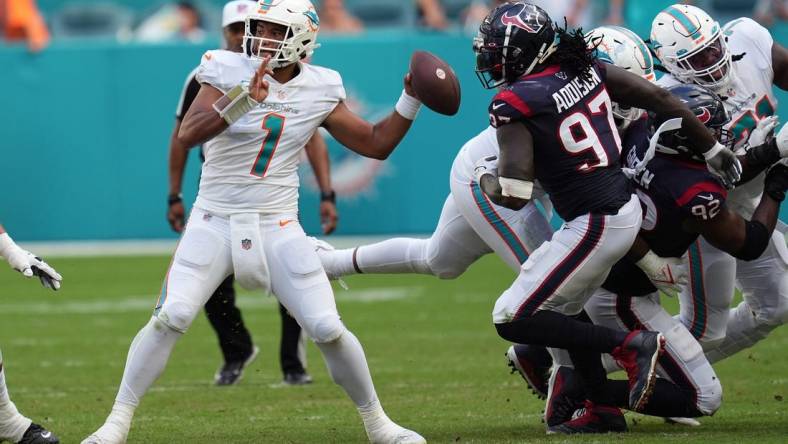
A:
252, 166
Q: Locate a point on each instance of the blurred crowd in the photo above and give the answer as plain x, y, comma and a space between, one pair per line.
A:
36, 21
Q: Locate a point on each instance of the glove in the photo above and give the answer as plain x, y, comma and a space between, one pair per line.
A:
763, 131
723, 163
668, 274
485, 165
776, 182
28, 264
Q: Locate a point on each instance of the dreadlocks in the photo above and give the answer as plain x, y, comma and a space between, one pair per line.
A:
574, 54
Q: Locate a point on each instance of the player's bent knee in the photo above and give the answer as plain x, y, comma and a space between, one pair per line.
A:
177, 316
325, 329
710, 398
444, 272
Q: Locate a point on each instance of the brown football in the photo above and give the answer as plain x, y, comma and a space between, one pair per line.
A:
435, 83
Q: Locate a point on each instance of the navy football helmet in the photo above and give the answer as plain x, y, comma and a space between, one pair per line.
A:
514, 40
708, 108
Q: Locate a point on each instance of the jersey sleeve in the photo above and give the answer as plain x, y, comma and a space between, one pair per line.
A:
508, 107
702, 201
189, 92
749, 37
212, 72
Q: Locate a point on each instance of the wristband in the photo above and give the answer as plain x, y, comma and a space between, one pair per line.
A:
521, 189
407, 106
172, 199
713, 151
330, 196
233, 105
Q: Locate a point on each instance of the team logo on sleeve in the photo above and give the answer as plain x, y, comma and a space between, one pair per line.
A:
246, 244
526, 19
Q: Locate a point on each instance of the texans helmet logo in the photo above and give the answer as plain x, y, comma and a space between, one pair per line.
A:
705, 116
529, 24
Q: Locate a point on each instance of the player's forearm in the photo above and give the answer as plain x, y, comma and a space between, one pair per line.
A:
767, 212
492, 188
177, 161
387, 134
199, 127
317, 153
638, 249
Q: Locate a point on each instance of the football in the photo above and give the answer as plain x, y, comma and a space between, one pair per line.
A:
435, 83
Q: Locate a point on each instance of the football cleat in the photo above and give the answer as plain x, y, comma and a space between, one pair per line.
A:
689, 422
533, 364
231, 372
35, 434
109, 433
638, 355
394, 434
593, 419
297, 378
565, 395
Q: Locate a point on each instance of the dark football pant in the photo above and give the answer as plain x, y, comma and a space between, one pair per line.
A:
235, 340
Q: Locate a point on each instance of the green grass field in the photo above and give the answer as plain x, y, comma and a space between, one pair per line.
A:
436, 360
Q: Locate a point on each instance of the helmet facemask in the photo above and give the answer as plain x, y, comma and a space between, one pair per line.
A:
709, 65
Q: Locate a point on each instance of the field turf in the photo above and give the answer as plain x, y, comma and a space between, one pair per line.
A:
436, 360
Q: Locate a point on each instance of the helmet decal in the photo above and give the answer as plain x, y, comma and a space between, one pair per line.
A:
704, 116
530, 24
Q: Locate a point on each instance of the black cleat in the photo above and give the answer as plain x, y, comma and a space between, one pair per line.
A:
564, 397
35, 434
232, 372
533, 364
297, 378
593, 419
638, 355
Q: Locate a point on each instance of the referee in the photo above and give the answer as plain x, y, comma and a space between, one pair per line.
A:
234, 339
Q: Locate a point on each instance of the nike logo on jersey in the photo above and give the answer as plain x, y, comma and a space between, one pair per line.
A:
709, 197
497, 105
283, 223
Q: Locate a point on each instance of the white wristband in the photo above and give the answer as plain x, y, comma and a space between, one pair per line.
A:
407, 106
6, 245
521, 189
650, 263
233, 105
713, 151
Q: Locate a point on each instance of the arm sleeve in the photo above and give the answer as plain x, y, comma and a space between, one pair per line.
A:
189, 92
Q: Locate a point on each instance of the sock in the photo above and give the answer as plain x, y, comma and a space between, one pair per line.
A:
348, 368
373, 416
743, 331
399, 255
668, 400
147, 358
553, 329
588, 365
12, 423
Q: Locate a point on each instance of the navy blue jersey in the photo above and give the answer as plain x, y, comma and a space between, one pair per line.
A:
576, 147
671, 191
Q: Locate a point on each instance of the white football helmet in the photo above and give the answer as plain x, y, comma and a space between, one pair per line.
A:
299, 41
691, 46
623, 48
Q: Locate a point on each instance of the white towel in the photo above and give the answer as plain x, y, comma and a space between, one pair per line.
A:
249, 262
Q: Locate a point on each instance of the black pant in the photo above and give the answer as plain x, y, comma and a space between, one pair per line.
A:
235, 340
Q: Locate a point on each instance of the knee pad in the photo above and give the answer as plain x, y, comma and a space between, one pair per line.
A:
325, 329
197, 251
177, 316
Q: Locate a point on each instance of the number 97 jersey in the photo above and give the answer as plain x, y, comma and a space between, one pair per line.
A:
576, 145
252, 166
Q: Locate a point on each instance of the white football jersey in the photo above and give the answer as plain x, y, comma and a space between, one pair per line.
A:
484, 144
252, 166
749, 98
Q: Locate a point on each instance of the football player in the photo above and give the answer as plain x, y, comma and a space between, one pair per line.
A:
681, 201
550, 79
14, 426
742, 63
254, 113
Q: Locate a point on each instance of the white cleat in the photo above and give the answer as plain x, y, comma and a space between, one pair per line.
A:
690, 422
394, 434
107, 434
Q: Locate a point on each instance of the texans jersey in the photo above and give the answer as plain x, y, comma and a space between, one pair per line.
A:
671, 191
576, 145
749, 97
252, 166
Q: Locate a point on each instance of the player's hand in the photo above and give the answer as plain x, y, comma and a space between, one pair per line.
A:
776, 182
485, 165
408, 84
29, 265
763, 131
328, 216
723, 162
668, 274
175, 216
258, 86
781, 140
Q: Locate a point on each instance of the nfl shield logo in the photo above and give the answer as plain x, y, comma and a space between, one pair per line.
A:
246, 244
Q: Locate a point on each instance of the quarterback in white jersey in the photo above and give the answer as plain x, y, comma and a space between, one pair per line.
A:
254, 113
469, 227
742, 63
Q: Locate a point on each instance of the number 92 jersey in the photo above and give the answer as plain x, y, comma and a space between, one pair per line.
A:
576, 144
252, 166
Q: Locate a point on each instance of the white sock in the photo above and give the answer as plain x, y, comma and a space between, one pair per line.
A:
373, 416
12, 423
743, 331
398, 255
348, 368
146, 360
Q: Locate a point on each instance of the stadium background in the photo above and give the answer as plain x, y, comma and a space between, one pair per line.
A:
86, 124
